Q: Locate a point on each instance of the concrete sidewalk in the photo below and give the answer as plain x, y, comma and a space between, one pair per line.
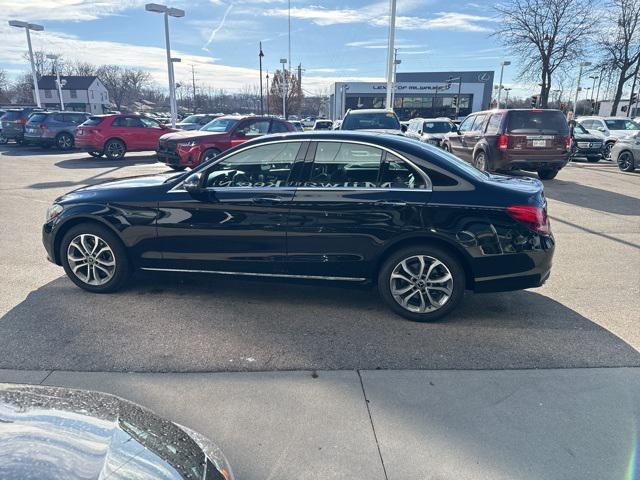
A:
508, 424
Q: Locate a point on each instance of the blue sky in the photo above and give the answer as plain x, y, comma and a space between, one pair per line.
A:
333, 40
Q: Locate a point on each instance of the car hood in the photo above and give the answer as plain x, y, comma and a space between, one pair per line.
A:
190, 134
50, 432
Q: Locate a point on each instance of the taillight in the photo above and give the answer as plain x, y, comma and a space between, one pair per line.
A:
534, 218
567, 142
43, 126
503, 142
21, 121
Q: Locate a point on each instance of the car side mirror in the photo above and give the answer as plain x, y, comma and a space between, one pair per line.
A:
419, 132
601, 129
193, 185
454, 128
403, 128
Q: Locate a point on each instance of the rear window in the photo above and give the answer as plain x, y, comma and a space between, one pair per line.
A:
544, 121
436, 127
37, 118
365, 121
93, 121
12, 115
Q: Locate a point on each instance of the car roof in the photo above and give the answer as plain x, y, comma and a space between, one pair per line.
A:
368, 110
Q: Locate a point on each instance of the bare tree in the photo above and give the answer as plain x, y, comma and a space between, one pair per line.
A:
124, 85
621, 43
83, 69
294, 93
546, 34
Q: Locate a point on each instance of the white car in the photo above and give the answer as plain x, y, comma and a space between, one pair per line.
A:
612, 128
430, 130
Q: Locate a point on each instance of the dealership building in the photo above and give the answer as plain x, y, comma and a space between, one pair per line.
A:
417, 94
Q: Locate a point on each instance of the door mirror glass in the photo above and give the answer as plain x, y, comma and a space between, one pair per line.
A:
403, 128
601, 129
193, 184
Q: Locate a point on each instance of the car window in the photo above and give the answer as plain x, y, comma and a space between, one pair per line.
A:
494, 124
537, 121
465, 126
261, 166
37, 118
12, 115
129, 122
587, 123
577, 128
436, 127
345, 165
620, 124
395, 173
253, 128
220, 125
149, 123
478, 125
278, 127
376, 121
191, 119
93, 121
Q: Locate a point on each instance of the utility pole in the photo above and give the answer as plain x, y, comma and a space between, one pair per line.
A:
390, 50
396, 62
260, 55
193, 85
596, 109
36, 28
575, 100
267, 92
283, 61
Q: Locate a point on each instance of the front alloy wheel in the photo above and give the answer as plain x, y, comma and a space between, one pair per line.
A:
607, 150
422, 283
625, 162
94, 258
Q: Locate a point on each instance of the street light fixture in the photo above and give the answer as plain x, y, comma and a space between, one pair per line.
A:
502, 65
506, 99
168, 12
390, 51
57, 72
575, 101
36, 28
283, 61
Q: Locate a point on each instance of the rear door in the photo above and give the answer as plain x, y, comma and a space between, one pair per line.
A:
352, 199
128, 128
151, 133
471, 138
456, 139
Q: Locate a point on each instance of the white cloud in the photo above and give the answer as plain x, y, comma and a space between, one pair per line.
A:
65, 10
377, 14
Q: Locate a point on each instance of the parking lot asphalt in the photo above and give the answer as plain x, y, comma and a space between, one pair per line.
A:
585, 316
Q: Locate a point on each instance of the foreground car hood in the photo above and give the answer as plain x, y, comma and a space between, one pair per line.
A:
49, 432
132, 182
190, 134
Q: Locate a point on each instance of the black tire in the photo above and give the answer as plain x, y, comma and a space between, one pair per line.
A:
95, 154
593, 159
548, 173
626, 162
115, 149
64, 141
209, 154
122, 266
449, 261
177, 168
3, 140
480, 161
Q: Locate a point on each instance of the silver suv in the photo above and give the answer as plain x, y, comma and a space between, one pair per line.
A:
53, 128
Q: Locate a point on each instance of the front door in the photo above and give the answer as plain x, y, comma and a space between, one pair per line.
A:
241, 226
352, 199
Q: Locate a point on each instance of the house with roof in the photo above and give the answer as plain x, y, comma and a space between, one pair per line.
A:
79, 93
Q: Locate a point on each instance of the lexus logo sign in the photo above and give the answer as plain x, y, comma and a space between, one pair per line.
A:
484, 77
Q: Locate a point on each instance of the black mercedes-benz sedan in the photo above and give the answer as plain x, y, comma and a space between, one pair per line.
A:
343, 206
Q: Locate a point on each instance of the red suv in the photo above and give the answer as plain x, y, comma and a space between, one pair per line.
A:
115, 135
190, 148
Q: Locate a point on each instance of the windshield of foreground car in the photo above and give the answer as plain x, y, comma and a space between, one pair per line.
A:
436, 127
622, 125
220, 125
371, 121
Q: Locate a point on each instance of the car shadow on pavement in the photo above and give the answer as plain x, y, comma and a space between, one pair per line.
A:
14, 150
169, 323
102, 162
591, 197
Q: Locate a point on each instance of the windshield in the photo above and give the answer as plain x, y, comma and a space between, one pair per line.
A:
12, 115
371, 121
622, 125
93, 121
191, 119
220, 125
436, 127
540, 121
577, 128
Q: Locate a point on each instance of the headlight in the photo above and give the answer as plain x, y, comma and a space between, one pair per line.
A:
191, 143
53, 211
212, 451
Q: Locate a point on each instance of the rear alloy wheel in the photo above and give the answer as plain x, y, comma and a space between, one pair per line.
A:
95, 154
64, 141
422, 283
480, 161
548, 173
626, 162
94, 258
210, 154
115, 149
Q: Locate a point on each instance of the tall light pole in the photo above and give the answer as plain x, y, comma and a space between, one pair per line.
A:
396, 62
267, 92
390, 52
260, 55
168, 12
343, 103
58, 83
283, 61
502, 65
36, 28
575, 101
597, 107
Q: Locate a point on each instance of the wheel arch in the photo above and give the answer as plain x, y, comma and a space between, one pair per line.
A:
114, 138
208, 149
78, 220
448, 246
